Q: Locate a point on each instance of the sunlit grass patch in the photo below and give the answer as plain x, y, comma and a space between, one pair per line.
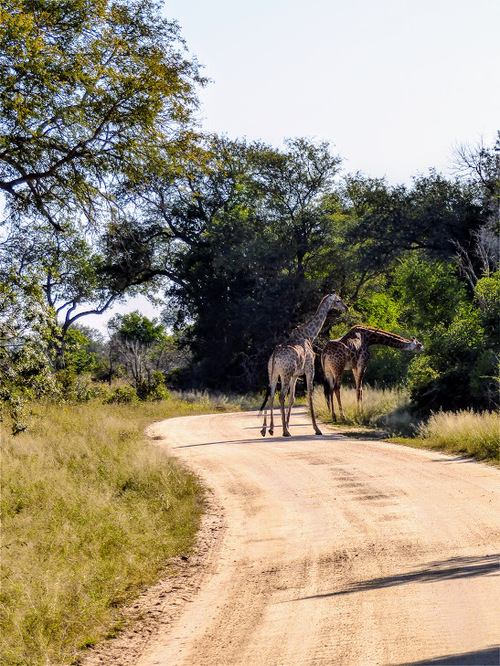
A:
465, 432
380, 408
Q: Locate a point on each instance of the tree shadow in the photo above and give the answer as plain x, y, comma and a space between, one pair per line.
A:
452, 569
488, 657
456, 459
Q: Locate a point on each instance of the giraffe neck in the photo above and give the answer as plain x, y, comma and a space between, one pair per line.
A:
311, 329
375, 336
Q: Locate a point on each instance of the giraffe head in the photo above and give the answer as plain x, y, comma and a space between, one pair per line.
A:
416, 346
335, 302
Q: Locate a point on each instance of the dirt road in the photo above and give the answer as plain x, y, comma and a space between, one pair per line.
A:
336, 551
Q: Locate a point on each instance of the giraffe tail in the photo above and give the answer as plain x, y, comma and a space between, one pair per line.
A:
268, 393
327, 390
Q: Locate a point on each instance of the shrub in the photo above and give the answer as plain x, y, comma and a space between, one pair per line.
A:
152, 388
121, 394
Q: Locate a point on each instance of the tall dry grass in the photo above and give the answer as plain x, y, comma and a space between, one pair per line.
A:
380, 408
91, 514
464, 432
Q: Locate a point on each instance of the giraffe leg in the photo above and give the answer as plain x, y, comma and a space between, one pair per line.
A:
283, 394
337, 393
330, 394
291, 399
358, 376
310, 386
331, 406
271, 408
264, 407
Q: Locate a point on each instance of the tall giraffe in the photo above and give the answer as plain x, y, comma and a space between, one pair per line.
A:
294, 358
351, 352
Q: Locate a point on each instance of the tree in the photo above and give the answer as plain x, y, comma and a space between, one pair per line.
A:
291, 185
69, 269
91, 91
27, 328
252, 226
146, 353
462, 345
481, 165
434, 215
93, 96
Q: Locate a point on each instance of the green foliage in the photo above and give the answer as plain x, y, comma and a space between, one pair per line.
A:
153, 388
428, 291
136, 327
27, 328
122, 394
434, 215
487, 296
76, 354
90, 92
379, 309
141, 347
458, 370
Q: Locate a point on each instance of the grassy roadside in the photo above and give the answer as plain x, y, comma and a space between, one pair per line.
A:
387, 411
91, 514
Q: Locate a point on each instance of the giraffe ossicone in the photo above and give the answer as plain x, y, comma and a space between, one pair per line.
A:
293, 359
351, 352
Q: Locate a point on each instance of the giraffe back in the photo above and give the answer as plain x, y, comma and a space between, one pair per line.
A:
290, 360
364, 336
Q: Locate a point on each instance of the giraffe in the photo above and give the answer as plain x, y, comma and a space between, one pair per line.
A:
294, 358
351, 352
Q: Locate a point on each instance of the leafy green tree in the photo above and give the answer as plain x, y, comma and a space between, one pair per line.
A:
27, 328
70, 270
77, 354
429, 292
91, 91
146, 353
433, 215
292, 185
460, 366
247, 274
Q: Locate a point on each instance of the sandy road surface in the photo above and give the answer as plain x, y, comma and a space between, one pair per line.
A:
337, 551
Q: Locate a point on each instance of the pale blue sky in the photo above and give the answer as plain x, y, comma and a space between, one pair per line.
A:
394, 85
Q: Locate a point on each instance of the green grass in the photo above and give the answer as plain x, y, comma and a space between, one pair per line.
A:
91, 514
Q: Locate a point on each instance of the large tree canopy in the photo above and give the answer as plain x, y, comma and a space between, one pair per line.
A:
90, 91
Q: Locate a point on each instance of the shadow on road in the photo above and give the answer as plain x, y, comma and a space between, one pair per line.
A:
454, 568
487, 657
278, 439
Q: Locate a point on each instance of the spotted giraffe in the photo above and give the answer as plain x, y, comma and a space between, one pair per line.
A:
294, 358
351, 352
